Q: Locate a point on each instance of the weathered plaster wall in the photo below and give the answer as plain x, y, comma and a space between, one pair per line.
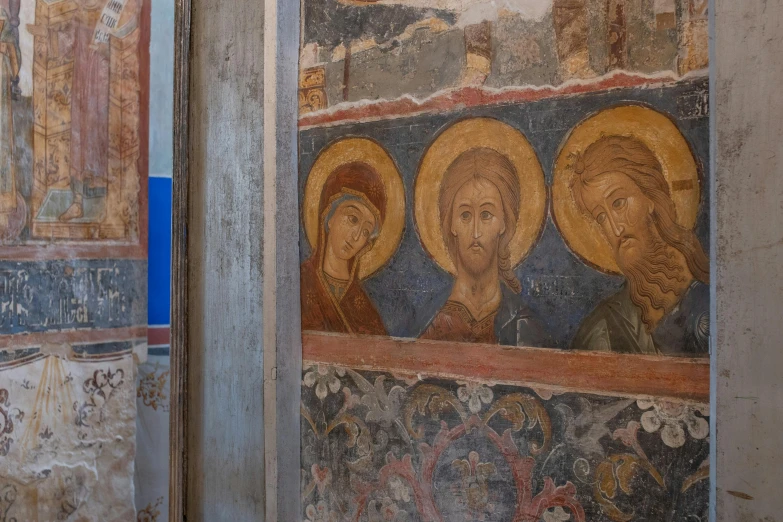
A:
749, 251
370, 51
73, 244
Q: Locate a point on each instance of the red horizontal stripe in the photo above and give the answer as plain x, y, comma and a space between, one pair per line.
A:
576, 371
157, 336
72, 337
471, 97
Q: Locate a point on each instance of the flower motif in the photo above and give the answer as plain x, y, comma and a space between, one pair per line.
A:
556, 515
325, 378
669, 417
473, 489
399, 489
322, 477
320, 513
474, 394
152, 388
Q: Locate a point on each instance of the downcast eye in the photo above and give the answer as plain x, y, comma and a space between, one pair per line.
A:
619, 203
600, 218
353, 219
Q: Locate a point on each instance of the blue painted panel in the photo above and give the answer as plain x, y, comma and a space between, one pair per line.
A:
40, 296
160, 251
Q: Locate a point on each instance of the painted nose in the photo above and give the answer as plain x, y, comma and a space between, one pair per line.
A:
617, 228
476, 229
357, 232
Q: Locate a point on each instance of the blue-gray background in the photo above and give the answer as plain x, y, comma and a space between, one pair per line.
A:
557, 286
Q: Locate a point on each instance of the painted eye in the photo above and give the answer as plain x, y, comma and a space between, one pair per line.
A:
486, 215
619, 203
465, 215
353, 219
366, 233
600, 218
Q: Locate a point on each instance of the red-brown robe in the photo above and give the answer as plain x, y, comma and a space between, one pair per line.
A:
512, 324
89, 105
454, 322
353, 312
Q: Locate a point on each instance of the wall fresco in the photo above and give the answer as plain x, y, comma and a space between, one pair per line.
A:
551, 273
73, 168
73, 242
377, 446
480, 175
66, 427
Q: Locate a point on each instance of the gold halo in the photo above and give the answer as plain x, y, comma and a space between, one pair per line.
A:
347, 151
469, 134
582, 234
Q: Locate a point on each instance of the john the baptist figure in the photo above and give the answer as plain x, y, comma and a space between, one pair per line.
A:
620, 185
351, 215
482, 226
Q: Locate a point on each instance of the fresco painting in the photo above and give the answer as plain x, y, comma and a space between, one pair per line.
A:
377, 447
74, 173
624, 199
549, 202
354, 221
73, 242
646, 212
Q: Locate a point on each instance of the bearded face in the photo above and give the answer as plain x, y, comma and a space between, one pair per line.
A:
477, 223
625, 216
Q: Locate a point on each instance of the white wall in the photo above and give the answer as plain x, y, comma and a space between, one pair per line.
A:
748, 275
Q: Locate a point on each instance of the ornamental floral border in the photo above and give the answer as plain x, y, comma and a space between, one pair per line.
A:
384, 447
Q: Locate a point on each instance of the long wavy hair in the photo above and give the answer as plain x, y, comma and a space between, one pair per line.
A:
631, 157
489, 165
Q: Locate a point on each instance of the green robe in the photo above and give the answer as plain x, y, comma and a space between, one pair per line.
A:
616, 325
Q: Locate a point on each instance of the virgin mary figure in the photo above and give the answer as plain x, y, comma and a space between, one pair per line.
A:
351, 215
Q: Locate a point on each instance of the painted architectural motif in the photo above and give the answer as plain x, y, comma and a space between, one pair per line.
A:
552, 159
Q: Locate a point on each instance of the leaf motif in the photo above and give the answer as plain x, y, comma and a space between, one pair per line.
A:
436, 399
619, 471
702, 473
626, 472
462, 466
517, 407
485, 469
606, 482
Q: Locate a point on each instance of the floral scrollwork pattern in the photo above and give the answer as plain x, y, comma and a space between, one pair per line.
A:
376, 447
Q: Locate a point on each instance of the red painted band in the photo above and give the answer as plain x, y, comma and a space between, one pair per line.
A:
576, 371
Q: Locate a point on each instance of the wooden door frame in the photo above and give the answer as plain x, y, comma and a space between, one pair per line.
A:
282, 339
178, 423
